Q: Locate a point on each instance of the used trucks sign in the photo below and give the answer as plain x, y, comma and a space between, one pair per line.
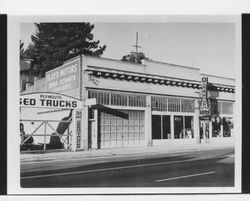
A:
49, 100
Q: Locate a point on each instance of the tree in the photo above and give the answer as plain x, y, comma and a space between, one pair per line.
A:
54, 43
133, 58
21, 50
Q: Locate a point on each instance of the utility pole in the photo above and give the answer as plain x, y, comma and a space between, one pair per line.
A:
136, 48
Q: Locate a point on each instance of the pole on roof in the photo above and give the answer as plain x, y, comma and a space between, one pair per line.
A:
136, 48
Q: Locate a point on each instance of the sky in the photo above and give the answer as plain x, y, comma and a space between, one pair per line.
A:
208, 46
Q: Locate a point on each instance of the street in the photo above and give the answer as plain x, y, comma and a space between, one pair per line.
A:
206, 168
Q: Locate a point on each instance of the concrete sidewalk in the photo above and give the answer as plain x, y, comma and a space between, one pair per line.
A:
26, 157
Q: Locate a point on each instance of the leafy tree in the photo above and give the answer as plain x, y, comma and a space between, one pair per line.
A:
54, 43
133, 58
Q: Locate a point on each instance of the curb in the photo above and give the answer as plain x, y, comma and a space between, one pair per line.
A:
115, 153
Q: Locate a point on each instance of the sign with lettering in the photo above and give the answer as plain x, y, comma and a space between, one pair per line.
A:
49, 100
78, 131
77, 139
204, 106
64, 78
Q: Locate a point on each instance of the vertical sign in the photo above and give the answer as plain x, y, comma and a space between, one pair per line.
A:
77, 130
204, 107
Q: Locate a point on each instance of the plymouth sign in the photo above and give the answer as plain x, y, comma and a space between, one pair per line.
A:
49, 100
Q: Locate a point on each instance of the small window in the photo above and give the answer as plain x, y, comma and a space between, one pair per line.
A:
187, 105
174, 105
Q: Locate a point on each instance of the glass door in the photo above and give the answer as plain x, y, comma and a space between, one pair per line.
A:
204, 132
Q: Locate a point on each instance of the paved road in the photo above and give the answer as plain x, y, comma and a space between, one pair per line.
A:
190, 169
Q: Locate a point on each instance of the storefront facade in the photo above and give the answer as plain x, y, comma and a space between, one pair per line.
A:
147, 104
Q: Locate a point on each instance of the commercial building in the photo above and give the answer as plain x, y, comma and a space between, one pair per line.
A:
145, 104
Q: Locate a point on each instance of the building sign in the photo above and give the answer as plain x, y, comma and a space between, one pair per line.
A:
78, 118
204, 106
49, 100
77, 137
64, 78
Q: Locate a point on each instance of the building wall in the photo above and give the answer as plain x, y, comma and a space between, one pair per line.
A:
38, 86
158, 70
123, 85
148, 68
23, 80
219, 80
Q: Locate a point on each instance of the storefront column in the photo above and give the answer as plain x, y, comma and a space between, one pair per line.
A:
221, 128
83, 97
172, 126
85, 121
197, 122
94, 131
148, 122
210, 130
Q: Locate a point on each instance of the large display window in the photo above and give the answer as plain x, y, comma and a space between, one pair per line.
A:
227, 126
222, 127
178, 127
216, 127
161, 127
183, 127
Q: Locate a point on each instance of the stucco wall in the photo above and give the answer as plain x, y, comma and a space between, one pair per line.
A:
150, 68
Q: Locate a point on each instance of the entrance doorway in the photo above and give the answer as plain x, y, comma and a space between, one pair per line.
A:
204, 131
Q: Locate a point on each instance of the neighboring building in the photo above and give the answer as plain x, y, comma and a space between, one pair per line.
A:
146, 104
25, 73
28, 82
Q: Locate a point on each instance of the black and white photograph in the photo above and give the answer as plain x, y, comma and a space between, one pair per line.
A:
127, 104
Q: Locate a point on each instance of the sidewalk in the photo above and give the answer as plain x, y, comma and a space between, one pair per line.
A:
26, 157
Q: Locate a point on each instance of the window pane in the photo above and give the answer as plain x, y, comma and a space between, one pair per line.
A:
156, 127
159, 103
216, 127
137, 100
189, 127
122, 99
227, 108
214, 107
178, 127
166, 127
227, 126
174, 105
220, 107
187, 105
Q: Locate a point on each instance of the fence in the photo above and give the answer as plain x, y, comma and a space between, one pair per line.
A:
44, 136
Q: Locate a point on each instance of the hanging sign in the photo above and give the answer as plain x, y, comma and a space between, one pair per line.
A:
49, 100
204, 106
